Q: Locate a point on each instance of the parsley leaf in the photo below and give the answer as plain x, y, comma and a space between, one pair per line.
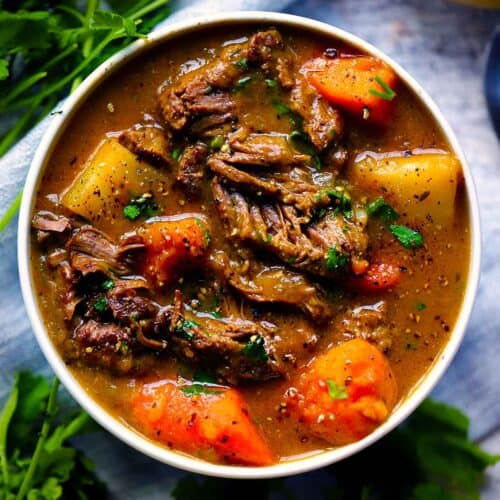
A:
335, 260
4, 69
106, 20
255, 349
303, 144
183, 329
198, 389
242, 82
242, 63
380, 208
142, 206
336, 391
108, 284
342, 200
421, 306
101, 304
406, 236
388, 94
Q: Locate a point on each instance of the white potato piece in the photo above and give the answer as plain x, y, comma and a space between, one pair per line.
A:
110, 178
418, 186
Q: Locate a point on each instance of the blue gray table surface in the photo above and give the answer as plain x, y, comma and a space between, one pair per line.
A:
442, 45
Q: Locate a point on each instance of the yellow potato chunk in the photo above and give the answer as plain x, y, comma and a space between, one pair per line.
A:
111, 177
417, 186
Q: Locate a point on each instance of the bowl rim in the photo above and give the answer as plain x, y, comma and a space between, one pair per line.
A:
119, 428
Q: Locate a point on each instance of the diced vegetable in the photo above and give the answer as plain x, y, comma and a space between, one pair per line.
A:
111, 177
418, 186
378, 278
345, 393
172, 245
209, 418
361, 85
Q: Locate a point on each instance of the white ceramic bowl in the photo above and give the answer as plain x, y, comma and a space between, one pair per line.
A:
119, 429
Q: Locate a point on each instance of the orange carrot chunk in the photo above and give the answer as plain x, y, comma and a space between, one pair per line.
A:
200, 420
344, 394
172, 246
379, 277
361, 85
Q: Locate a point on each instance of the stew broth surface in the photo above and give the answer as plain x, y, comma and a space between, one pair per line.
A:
421, 309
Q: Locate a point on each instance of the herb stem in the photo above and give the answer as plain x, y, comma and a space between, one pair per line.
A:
10, 137
11, 211
64, 81
50, 412
149, 8
5, 417
24, 85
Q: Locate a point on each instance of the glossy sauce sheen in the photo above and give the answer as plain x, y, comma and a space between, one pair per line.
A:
435, 275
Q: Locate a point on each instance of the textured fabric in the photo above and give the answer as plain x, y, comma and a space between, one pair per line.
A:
441, 44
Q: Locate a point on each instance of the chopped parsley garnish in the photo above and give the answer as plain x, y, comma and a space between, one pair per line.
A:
421, 306
406, 236
342, 200
108, 284
281, 108
176, 153
254, 349
206, 233
101, 304
216, 142
272, 83
183, 329
242, 63
336, 391
242, 82
142, 206
380, 208
335, 260
302, 142
388, 94
198, 389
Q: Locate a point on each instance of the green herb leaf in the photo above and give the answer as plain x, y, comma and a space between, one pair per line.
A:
176, 154
255, 349
108, 284
421, 306
107, 20
406, 236
206, 233
36, 461
380, 208
4, 69
303, 144
336, 260
281, 108
342, 200
216, 142
142, 206
22, 31
336, 391
198, 389
242, 82
388, 94
272, 83
242, 63
101, 304
184, 329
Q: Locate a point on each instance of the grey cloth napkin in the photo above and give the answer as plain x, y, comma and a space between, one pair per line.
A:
422, 36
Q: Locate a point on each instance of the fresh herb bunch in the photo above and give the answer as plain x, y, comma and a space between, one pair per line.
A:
47, 47
35, 460
428, 458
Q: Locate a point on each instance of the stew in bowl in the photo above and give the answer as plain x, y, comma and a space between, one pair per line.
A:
251, 244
